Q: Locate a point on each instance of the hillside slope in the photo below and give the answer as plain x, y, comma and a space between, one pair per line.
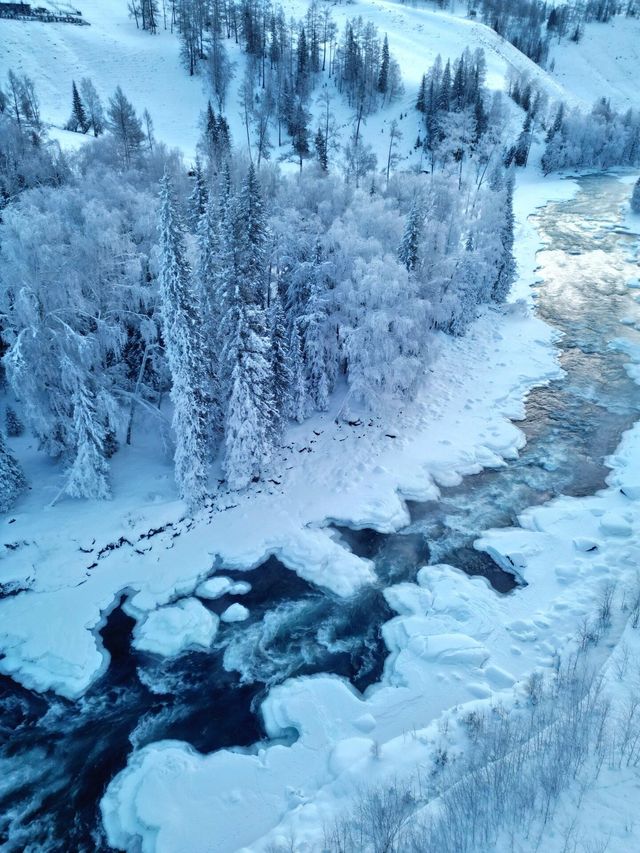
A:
113, 52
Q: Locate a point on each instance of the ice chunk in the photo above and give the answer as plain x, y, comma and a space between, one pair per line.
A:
235, 613
613, 524
170, 630
222, 585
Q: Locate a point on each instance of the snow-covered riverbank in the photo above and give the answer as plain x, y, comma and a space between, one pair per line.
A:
461, 422
454, 642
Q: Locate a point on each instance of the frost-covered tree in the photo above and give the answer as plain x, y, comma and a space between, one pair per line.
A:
183, 346
359, 161
13, 424
125, 125
198, 197
281, 375
313, 325
506, 269
384, 342
12, 479
71, 274
93, 106
635, 197
602, 138
298, 400
409, 248
250, 409
88, 472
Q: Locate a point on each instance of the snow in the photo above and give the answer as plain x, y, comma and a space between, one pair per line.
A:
453, 644
453, 641
220, 585
168, 631
111, 52
235, 613
359, 475
603, 63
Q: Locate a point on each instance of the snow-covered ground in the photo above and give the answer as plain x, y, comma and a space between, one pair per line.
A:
603, 64
113, 52
460, 423
471, 645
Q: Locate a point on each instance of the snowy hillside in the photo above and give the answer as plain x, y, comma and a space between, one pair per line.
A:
113, 52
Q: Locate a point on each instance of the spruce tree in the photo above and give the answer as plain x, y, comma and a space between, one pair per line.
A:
249, 415
88, 472
507, 267
12, 479
408, 250
300, 132
181, 329
299, 400
280, 370
213, 274
78, 120
383, 74
13, 424
421, 102
635, 197
321, 150
198, 197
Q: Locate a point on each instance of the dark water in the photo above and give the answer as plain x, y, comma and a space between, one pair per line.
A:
56, 757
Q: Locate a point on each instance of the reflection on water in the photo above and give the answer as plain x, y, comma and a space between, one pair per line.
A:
56, 757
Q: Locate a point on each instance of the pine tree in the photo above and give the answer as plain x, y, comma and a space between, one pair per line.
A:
184, 349
198, 197
635, 197
383, 74
88, 472
299, 399
280, 370
13, 424
249, 417
301, 132
321, 150
507, 266
12, 479
421, 102
408, 251
78, 120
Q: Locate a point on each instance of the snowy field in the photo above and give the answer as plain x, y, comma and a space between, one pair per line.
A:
454, 642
